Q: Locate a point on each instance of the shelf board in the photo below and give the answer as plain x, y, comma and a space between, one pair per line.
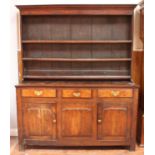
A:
74, 72
77, 77
75, 41
77, 60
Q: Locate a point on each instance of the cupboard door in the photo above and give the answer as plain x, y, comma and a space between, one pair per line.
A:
113, 121
40, 120
77, 120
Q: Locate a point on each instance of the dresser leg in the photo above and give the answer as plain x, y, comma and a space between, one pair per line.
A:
21, 147
132, 147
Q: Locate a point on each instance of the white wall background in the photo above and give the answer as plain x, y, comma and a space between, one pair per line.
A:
13, 67
15, 46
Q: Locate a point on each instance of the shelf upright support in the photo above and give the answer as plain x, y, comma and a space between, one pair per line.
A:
20, 53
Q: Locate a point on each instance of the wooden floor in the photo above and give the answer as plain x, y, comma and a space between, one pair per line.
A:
66, 151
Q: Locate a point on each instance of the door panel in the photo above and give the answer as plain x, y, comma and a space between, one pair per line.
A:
40, 120
113, 121
32, 121
77, 120
49, 121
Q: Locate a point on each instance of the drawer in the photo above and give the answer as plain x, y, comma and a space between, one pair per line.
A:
77, 93
38, 92
115, 92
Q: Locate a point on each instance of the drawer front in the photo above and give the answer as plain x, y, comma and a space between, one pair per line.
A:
115, 93
38, 92
76, 93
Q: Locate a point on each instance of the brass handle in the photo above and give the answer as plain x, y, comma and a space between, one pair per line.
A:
54, 118
38, 92
99, 120
76, 94
54, 121
115, 93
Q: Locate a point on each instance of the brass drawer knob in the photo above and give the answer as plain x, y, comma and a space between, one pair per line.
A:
99, 120
54, 121
76, 94
115, 93
38, 92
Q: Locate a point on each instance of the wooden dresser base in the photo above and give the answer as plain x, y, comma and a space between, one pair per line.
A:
77, 114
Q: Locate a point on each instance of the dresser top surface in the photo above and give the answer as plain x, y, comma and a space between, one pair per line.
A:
77, 84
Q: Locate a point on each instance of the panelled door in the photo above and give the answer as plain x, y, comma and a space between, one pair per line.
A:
40, 120
113, 120
77, 119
